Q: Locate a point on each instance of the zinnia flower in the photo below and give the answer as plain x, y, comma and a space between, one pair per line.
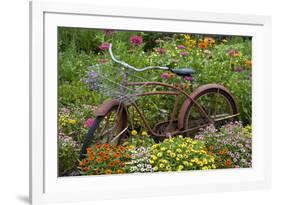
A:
234, 53
108, 171
181, 47
165, 76
104, 46
71, 121
89, 122
188, 78
109, 32
184, 54
238, 69
136, 40
134, 132
161, 51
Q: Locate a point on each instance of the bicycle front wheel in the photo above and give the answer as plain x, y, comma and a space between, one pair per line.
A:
109, 128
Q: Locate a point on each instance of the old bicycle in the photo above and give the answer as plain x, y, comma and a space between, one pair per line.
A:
207, 104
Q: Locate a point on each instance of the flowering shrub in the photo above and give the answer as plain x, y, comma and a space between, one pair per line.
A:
232, 144
68, 154
139, 160
105, 159
178, 153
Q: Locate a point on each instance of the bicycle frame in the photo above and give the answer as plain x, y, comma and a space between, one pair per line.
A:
177, 92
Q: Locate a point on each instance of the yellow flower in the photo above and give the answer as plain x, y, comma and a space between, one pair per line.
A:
151, 161
131, 147
179, 150
153, 157
161, 165
71, 121
180, 156
155, 169
178, 159
180, 167
173, 155
160, 154
185, 163
144, 133
205, 168
134, 132
163, 149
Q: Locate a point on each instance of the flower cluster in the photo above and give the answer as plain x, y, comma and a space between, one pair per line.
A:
231, 144
140, 160
136, 40
178, 154
105, 159
92, 80
67, 153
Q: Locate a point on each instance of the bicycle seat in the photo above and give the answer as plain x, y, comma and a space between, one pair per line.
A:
183, 71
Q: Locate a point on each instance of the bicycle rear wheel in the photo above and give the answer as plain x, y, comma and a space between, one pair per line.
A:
216, 101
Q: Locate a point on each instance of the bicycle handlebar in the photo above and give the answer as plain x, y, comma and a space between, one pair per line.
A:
126, 65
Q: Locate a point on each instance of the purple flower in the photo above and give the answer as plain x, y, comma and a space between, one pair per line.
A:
165, 76
184, 53
136, 40
161, 51
89, 122
104, 46
233, 53
238, 69
188, 78
181, 47
109, 32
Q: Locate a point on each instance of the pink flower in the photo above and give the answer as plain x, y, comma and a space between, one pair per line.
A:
104, 46
165, 75
136, 40
188, 78
181, 47
89, 122
109, 32
184, 54
161, 51
238, 69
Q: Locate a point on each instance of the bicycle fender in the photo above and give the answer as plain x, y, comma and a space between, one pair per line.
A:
103, 109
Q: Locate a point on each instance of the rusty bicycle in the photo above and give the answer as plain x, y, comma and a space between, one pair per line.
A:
205, 105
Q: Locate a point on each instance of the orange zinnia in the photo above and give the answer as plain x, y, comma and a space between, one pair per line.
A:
99, 160
116, 154
81, 164
202, 45
111, 164
85, 169
108, 171
228, 163
211, 147
91, 157
106, 146
117, 161
120, 171
98, 146
248, 63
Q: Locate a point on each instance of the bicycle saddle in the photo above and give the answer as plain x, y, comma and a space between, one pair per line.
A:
183, 71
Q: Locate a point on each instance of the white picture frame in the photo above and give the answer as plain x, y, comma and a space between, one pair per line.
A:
45, 186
